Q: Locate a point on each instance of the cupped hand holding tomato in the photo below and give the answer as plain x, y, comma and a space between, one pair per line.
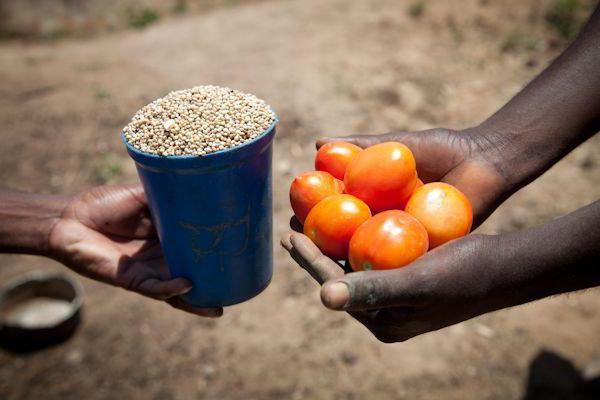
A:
459, 158
462, 279
443, 287
429, 293
476, 274
384, 176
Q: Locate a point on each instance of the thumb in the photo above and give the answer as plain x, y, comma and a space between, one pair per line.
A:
373, 289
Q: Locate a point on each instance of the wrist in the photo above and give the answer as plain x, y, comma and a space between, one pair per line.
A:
504, 279
495, 147
516, 155
521, 149
26, 221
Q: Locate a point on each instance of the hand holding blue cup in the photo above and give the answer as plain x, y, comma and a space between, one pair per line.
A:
213, 215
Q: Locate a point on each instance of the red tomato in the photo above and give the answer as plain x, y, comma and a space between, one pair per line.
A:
390, 239
334, 157
383, 176
444, 211
331, 223
309, 188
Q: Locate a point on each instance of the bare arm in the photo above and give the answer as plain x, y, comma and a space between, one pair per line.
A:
552, 115
462, 279
26, 221
105, 234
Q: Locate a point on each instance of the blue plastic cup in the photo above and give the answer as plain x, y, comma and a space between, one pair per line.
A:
213, 215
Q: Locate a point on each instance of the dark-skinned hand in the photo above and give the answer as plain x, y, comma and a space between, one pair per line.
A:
459, 280
106, 234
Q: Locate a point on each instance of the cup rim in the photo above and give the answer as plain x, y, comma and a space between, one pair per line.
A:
208, 156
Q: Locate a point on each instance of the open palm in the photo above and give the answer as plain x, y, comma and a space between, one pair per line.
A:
107, 234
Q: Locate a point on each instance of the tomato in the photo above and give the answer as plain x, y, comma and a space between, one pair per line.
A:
309, 188
334, 157
418, 185
390, 239
331, 223
444, 211
383, 176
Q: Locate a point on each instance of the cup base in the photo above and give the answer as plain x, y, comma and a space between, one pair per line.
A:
228, 303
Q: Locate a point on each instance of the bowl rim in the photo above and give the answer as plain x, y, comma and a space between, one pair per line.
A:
40, 276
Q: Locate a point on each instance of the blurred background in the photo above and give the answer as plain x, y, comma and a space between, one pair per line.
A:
73, 72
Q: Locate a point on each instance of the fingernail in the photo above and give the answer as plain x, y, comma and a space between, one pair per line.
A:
212, 312
184, 290
335, 295
285, 242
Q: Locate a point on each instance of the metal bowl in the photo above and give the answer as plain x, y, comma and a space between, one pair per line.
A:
39, 310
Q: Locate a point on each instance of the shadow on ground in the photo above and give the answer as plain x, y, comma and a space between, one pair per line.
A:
552, 376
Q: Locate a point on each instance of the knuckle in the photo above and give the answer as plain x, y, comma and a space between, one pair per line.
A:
373, 288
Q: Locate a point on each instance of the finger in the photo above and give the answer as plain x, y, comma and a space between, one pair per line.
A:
296, 225
410, 139
120, 210
140, 249
178, 303
363, 141
286, 243
163, 290
308, 255
146, 226
137, 190
374, 289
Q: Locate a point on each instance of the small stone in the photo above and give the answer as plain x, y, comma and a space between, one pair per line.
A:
208, 372
484, 331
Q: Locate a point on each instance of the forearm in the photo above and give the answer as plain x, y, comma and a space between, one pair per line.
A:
26, 221
554, 113
558, 257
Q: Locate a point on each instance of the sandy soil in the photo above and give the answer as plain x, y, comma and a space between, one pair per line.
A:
327, 67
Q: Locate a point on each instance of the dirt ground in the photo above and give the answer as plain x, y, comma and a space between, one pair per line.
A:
327, 67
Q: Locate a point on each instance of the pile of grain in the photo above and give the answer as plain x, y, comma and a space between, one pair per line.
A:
198, 121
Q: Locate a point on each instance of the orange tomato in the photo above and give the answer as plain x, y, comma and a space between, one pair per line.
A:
309, 188
383, 176
331, 223
390, 239
418, 185
444, 211
334, 157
